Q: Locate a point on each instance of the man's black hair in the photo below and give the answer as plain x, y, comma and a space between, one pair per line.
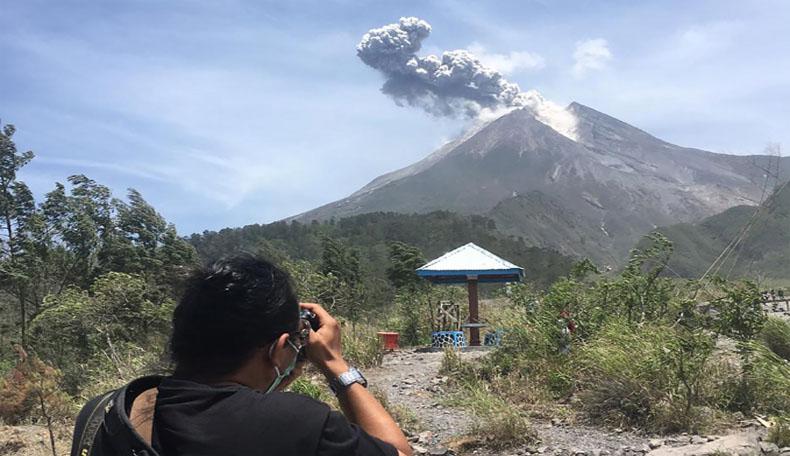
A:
229, 308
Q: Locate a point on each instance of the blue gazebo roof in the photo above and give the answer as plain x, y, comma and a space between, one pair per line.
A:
470, 262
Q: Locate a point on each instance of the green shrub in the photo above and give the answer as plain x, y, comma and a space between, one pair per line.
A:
83, 332
776, 336
415, 312
653, 378
414, 328
307, 385
740, 311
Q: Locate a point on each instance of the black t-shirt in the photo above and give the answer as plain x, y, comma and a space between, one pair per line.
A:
193, 419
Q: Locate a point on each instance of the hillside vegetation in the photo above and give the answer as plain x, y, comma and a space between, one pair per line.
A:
764, 249
370, 236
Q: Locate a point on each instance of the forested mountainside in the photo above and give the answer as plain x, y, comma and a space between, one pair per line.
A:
370, 236
762, 236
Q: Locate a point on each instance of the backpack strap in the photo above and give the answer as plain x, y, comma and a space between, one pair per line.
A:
90, 427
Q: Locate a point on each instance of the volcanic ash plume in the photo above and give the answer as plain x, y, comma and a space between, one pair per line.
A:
455, 84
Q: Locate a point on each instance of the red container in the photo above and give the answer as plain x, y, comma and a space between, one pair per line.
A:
389, 340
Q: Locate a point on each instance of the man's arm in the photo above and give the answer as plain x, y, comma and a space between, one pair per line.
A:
357, 403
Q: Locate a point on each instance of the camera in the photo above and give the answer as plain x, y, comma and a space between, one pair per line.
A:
310, 318
309, 322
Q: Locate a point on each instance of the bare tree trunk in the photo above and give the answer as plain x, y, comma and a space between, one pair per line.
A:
23, 315
47, 418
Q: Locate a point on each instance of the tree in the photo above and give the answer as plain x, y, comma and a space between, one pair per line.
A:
81, 221
642, 289
404, 260
153, 248
339, 260
16, 212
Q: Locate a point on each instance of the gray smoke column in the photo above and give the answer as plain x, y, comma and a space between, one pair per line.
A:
455, 84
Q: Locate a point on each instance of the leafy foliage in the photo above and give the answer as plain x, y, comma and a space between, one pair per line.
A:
404, 260
81, 331
739, 310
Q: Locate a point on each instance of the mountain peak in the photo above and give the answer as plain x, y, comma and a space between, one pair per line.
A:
594, 127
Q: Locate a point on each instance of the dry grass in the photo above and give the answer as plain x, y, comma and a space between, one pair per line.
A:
780, 432
361, 345
499, 423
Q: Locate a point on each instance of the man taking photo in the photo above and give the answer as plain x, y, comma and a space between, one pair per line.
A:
239, 338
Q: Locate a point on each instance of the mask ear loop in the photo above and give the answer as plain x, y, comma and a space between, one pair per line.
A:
288, 370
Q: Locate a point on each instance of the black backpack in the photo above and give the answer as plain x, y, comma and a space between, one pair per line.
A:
103, 427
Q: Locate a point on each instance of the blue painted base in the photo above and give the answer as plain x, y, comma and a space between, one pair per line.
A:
441, 339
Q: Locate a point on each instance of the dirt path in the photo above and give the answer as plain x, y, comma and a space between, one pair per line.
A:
411, 380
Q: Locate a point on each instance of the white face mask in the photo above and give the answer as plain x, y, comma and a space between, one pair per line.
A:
284, 374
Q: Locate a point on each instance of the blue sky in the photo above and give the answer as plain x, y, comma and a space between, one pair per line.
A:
229, 113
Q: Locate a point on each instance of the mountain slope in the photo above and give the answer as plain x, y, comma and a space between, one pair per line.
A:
763, 251
600, 192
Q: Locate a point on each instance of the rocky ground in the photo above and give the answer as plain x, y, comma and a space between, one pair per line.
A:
411, 380
32, 440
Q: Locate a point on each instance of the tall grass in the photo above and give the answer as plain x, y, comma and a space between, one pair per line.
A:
361, 344
768, 376
657, 378
776, 336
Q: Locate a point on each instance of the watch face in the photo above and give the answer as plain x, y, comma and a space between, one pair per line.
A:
347, 379
351, 377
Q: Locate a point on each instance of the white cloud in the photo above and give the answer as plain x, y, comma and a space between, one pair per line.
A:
590, 55
704, 41
509, 63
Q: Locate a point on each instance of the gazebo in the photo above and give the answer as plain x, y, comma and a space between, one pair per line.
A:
471, 264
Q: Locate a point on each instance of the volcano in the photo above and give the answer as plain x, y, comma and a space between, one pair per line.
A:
591, 192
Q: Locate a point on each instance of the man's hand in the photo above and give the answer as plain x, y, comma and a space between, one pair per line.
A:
324, 349
358, 404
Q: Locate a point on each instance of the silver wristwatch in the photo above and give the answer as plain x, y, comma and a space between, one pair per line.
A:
346, 379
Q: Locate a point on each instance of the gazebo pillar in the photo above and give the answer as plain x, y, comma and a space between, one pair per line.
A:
474, 331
